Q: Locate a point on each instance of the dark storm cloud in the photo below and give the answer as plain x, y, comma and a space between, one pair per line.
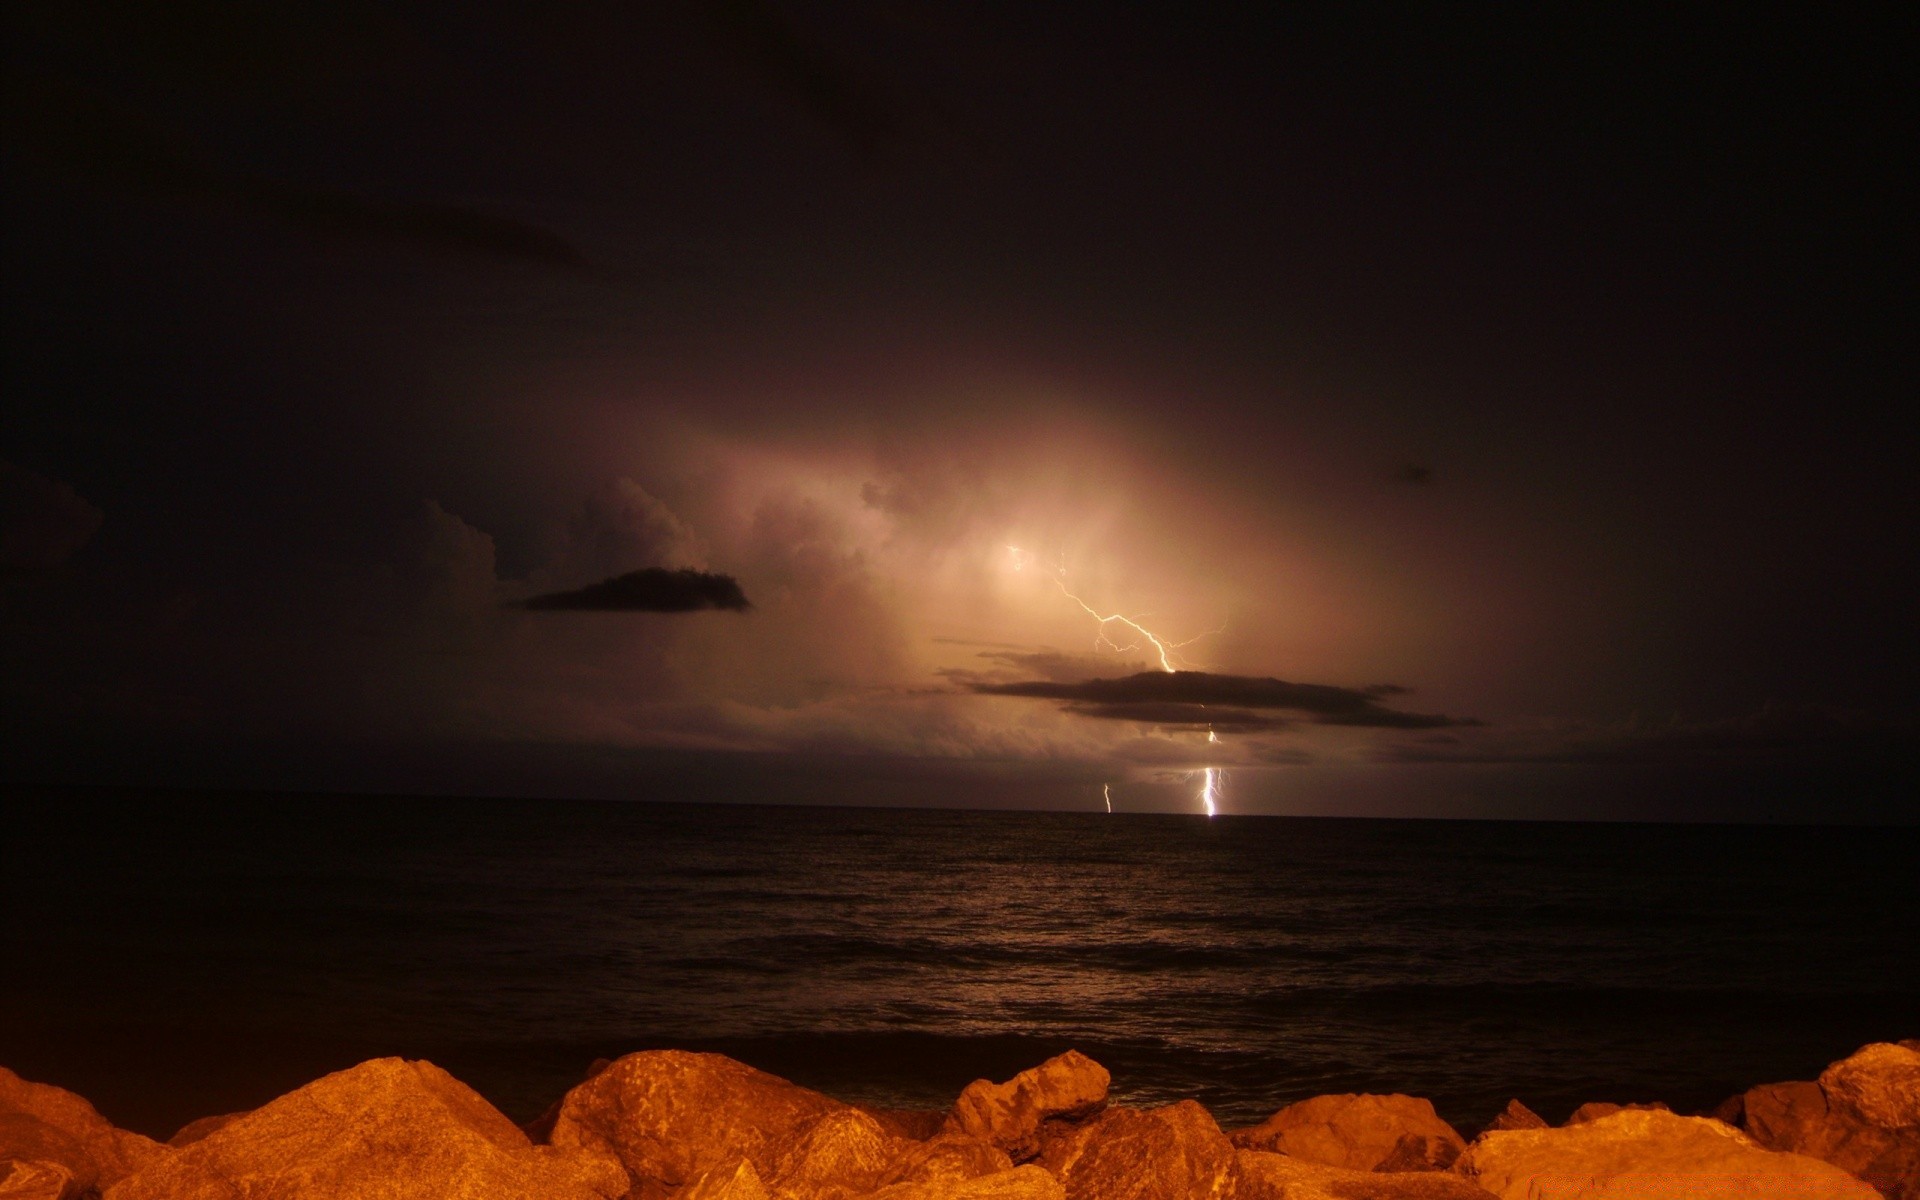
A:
1326, 704
43, 522
1416, 474
89, 135
652, 589
1772, 734
1189, 716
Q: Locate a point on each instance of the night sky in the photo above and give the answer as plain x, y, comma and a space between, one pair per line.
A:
730, 401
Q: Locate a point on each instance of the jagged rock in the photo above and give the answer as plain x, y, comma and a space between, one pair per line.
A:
1360, 1133
36, 1179
540, 1129
1170, 1153
950, 1157
388, 1128
194, 1131
843, 1153
1267, 1176
735, 1181
40, 1123
1825, 1119
1517, 1116
671, 1116
1067, 1087
1877, 1085
1593, 1110
1015, 1183
1641, 1153
919, 1124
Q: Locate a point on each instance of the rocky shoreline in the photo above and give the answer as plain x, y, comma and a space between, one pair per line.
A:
675, 1125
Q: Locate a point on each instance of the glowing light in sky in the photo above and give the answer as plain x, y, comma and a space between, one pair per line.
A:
1210, 790
1106, 790
1164, 649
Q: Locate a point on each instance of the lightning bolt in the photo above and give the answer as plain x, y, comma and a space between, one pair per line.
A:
1162, 648
1211, 777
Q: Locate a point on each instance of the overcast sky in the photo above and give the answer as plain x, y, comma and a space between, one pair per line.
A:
750, 399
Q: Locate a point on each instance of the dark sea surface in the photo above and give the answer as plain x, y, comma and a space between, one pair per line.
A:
171, 956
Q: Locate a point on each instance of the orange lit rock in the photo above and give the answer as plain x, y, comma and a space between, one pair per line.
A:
950, 1158
1643, 1153
1067, 1087
36, 1179
1828, 1120
671, 1116
735, 1181
1593, 1110
43, 1124
388, 1128
1360, 1133
920, 1124
1517, 1116
843, 1153
1170, 1153
1877, 1085
1267, 1176
1015, 1183
194, 1131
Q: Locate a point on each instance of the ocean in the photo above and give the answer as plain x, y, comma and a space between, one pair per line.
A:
171, 955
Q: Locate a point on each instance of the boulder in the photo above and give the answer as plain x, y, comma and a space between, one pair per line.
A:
735, 1181
36, 1179
47, 1125
1015, 1183
1170, 1153
1644, 1153
671, 1116
920, 1124
1877, 1085
1828, 1120
950, 1157
1067, 1087
1593, 1110
1517, 1116
1267, 1176
1360, 1133
389, 1128
194, 1131
843, 1153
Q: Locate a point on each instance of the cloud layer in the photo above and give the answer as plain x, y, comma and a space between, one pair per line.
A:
650, 589
1191, 697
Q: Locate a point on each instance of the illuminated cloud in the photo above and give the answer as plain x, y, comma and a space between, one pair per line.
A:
1195, 693
651, 589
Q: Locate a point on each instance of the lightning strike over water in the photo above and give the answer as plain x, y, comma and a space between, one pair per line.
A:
1106, 791
1210, 790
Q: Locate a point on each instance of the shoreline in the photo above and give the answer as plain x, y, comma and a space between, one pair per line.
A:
666, 1125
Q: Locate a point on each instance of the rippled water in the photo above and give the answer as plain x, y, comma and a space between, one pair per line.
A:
172, 956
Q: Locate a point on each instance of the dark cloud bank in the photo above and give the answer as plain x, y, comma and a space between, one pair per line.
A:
1202, 698
651, 589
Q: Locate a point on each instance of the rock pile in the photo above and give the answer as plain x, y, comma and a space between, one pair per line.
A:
672, 1125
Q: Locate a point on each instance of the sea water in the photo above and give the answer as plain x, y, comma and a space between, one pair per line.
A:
172, 955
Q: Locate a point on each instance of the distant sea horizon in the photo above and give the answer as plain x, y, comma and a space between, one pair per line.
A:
174, 954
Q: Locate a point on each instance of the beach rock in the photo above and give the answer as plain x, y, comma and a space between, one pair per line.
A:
1360, 1133
540, 1129
36, 1179
1642, 1153
50, 1126
671, 1116
843, 1153
1015, 1183
389, 1128
1877, 1085
1067, 1087
194, 1131
1170, 1153
735, 1181
919, 1124
1517, 1116
950, 1157
1593, 1110
1267, 1176
1826, 1120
